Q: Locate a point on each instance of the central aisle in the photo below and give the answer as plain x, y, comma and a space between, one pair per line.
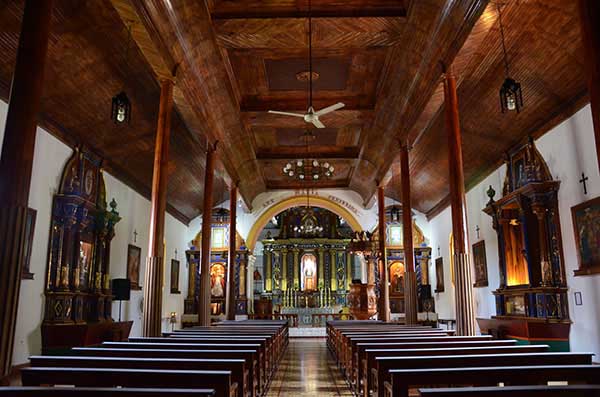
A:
307, 369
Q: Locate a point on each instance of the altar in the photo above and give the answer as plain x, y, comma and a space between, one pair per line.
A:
306, 315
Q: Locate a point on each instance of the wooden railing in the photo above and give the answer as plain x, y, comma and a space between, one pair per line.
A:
320, 319
291, 318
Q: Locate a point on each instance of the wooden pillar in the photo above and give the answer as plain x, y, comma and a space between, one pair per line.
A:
268, 271
231, 293
465, 313
153, 278
589, 11
16, 163
384, 290
410, 278
204, 298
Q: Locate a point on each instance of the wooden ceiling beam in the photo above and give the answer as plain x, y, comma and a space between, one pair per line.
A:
300, 152
185, 31
403, 96
328, 184
349, 10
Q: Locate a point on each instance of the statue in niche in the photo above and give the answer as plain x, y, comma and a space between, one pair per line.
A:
217, 280
309, 272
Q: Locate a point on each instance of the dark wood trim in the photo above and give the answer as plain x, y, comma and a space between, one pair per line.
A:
331, 12
316, 152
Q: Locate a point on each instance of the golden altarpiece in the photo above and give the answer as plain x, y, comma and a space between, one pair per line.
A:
396, 263
531, 300
219, 261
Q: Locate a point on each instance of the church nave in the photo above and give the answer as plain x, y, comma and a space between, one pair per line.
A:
307, 369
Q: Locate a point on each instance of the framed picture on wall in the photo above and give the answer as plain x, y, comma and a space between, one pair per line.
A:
29, 232
134, 255
480, 264
586, 225
175, 276
439, 275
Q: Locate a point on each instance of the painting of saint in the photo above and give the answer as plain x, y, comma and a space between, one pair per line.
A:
480, 264
217, 280
397, 277
439, 274
175, 276
586, 222
134, 255
309, 272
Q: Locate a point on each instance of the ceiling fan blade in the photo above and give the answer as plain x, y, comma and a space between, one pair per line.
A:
330, 109
317, 123
286, 113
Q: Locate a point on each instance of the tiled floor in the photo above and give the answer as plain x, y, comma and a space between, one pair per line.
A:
307, 369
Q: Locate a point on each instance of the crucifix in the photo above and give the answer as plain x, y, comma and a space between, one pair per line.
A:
439, 251
477, 229
584, 180
175, 253
135, 233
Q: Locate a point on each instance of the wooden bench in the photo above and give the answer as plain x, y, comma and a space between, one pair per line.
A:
515, 391
237, 367
101, 392
262, 372
249, 356
369, 377
220, 381
404, 379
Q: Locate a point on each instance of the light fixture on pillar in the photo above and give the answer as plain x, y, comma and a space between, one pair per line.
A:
121, 105
511, 97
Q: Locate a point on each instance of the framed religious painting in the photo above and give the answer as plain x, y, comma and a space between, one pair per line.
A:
29, 232
586, 225
480, 264
175, 276
439, 275
134, 255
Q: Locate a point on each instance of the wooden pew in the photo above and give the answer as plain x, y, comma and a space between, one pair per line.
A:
249, 356
220, 381
101, 392
515, 391
262, 372
350, 358
236, 366
368, 368
404, 379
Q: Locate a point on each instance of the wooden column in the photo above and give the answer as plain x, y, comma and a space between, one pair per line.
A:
410, 278
154, 275
268, 271
589, 11
204, 298
465, 313
16, 163
231, 293
349, 270
384, 289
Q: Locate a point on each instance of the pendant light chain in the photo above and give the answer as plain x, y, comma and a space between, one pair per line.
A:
503, 39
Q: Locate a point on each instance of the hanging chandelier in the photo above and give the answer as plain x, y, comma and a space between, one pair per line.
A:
511, 97
308, 170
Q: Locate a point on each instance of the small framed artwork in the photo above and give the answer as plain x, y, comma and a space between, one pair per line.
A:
578, 300
480, 264
439, 275
175, 276
29, 233
134, 255
586, 225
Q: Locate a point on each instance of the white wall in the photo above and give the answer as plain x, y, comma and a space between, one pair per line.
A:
569, 150
49, 159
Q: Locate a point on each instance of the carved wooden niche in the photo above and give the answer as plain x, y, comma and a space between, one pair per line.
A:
526, 220
82, 227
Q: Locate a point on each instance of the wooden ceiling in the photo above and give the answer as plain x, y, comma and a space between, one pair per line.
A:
235, 60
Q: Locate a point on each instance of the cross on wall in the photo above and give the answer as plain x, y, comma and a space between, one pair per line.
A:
584, 180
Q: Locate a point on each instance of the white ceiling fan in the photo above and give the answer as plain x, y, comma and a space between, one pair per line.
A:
311, 117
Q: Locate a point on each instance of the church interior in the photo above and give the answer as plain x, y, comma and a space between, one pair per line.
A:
306, 197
